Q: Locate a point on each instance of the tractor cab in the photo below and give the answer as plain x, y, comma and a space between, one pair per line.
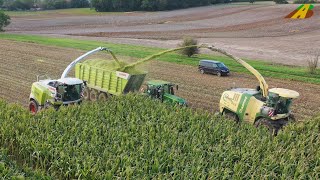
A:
164, 91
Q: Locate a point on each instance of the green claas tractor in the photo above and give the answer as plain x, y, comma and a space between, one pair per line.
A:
262, 106
164, 91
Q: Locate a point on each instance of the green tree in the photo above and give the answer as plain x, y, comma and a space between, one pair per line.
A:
60, 4
18, 4
55, 4
4, 20
150, 5
79, 3
101, 5
280, 1
188, 41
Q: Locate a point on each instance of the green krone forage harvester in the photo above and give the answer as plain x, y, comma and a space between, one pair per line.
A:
262, 106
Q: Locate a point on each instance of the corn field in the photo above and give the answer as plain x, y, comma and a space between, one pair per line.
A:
135, 137
7, 168
10, 170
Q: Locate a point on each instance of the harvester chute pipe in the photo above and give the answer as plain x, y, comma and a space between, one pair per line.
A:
73, 63
263, 83
114, 57
157, 55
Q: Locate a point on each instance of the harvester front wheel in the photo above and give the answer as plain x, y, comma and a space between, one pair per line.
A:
93, 95
201, 71
292, 118
262, 122
230, 115
86, 94
102, 96
33, 107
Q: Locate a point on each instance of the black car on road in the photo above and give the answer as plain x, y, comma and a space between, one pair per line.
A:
213, 67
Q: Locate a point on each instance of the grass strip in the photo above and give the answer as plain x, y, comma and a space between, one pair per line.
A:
265, 68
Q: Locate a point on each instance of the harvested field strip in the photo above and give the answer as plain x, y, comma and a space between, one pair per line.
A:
204, 91
267, 69
210, 15
20, 67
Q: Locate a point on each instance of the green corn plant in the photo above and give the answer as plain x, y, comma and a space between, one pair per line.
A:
136, 138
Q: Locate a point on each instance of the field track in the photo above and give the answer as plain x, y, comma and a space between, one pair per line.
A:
257, 31
21, 62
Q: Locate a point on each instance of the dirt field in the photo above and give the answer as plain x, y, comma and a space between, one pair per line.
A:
21, 62
257, 31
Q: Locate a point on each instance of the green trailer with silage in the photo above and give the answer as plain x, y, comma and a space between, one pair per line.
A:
102, 81
105, 78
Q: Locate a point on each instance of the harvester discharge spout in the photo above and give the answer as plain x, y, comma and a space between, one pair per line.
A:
73, 63
155, 56
263, 83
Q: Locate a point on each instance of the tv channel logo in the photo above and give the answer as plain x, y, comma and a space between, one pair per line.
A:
302, 12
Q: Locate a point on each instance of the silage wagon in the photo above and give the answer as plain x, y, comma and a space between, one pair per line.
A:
101, 83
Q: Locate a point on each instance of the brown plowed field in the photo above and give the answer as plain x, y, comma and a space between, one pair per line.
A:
257, 31
21, 62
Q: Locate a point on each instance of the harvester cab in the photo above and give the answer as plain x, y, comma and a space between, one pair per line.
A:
262, 106
280, 100
164, 91
46, 93
243, 104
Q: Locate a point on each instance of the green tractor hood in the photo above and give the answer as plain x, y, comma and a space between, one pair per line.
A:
174, 99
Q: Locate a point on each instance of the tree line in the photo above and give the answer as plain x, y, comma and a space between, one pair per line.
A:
149, 5
43, 4
111, 5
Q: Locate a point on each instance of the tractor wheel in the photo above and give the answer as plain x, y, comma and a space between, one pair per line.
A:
86, 94
219, 74
33, 107
143, 89
230, 115
262, 122
201, 71
102, 96
93, 95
